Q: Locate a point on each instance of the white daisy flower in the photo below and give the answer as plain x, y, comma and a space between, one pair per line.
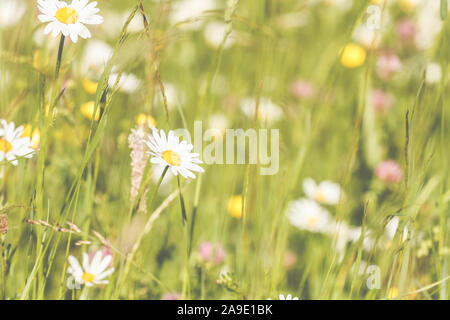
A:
13, 145
267, 110
94, 271
326, 192
288, 297
307, 215
169, 151
70, 19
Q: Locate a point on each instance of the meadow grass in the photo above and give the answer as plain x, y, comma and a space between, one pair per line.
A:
81, 171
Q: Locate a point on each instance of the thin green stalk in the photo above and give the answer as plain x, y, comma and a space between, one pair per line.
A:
186, 283
137, 244
59, 58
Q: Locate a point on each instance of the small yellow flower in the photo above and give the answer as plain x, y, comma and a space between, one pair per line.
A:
414, 295
87, 109
90, 86
407, 5
39, 61
234, 206
34, 135
146, 119
353, 56
393, 293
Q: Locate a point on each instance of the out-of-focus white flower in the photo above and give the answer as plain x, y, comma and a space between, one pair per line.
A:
433, 73
214, 33
218, 122
326, 192
94, 271
342, 5
114, 22
267, 110
11, 12
306, 214
343, 234
173, 95
354, 234
169, 151
128, 83
70, 20
293, 20
136, 24
13, 145
391, 229
95, 57
370, 38
429, 24
191, 9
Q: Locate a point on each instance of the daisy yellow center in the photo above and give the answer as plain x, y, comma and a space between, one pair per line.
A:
5, 145
67, 15
172, 157
88, 277
319, 196
312, 222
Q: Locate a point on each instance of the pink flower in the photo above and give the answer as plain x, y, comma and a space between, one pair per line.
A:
290, 259
171, 296
406, 30
139, 158
302, 89
381, 101
387, 64
389, 171
212, 253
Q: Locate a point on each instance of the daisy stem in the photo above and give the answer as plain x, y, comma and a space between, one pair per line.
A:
84, 293
155, 191
186, 284
59, 58
4, 262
